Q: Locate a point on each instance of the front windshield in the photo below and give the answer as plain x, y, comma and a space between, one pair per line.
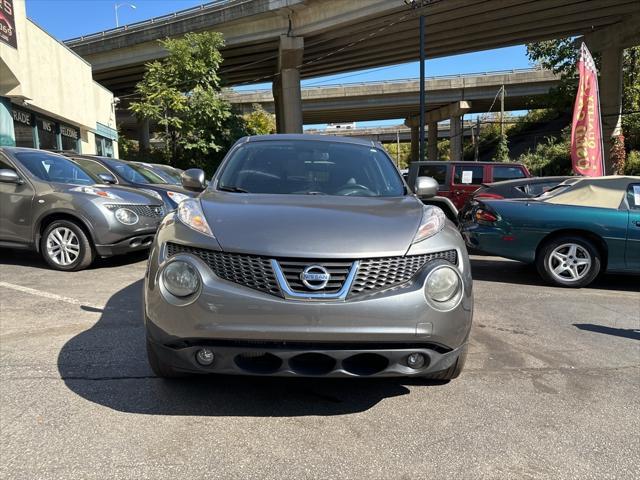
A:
53, 168
168, 174
310, 167
133, 173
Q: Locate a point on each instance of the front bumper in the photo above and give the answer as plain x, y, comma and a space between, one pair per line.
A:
291, 359
240, 323
138, 242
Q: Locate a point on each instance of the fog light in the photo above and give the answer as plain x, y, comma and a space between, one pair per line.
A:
416, 360
442, 284
181, 279
205, 357
126, 216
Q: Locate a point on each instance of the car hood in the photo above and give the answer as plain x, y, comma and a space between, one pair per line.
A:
169, 188
312, 226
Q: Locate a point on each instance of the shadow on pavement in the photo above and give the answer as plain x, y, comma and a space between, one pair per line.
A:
107, 365
496, 269
633, 334
28, 258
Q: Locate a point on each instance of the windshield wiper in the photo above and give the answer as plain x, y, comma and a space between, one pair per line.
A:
314, 193
232, 188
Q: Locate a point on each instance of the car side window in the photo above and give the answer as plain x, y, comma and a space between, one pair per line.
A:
536, 189
503, 172
633, 196
94, 168
468, 175
437, 172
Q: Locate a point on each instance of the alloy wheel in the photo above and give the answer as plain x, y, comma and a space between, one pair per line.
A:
63, 246
569, 262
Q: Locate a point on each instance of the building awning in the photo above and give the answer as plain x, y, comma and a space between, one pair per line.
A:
106, 131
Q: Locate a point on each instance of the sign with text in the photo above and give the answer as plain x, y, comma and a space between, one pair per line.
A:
7, 23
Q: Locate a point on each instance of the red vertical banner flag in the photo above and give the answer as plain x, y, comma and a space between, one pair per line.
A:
587, 155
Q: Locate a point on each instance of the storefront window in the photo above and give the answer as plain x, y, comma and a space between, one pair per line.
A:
104, 146
23, 127
47, 134
69, 138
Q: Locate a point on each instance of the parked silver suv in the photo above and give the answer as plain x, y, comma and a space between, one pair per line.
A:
307, 256
49, 204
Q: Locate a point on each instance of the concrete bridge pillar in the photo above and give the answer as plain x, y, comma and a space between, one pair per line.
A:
286, 87
455, 138
432, 141
611, 100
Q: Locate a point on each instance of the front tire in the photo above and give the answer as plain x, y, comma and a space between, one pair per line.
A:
65, 246
569, 261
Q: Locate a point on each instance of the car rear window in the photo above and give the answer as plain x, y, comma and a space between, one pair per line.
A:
437, 172
468, 174
503, 172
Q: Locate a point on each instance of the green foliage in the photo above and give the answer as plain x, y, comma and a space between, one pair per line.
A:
502, 150
444, 149
181, 94
401, 159
551, 157
259, 121
632, 165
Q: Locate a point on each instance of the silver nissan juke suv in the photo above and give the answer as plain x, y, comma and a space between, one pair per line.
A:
307, 256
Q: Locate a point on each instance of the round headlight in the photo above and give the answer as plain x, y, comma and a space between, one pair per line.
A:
442, 284
181, 279
126, 216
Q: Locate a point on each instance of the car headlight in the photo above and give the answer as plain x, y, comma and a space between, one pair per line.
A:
190, 213
126, 216
99, 192
177, 197
153, 193
181, 279
433, 220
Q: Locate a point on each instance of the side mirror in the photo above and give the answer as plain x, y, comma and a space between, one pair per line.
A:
107, 178
10, 176
426, 187
193, 179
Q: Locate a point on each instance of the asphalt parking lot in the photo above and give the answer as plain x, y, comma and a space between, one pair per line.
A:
550, 390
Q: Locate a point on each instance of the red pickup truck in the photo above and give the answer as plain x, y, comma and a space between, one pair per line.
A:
459, 180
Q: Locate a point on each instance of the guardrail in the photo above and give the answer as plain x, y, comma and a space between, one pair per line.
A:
398, 81
162, 19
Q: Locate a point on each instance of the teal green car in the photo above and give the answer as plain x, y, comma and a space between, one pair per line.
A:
573, 232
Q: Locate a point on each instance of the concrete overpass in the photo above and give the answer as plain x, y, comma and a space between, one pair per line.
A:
285, 40
390, 99
390, 134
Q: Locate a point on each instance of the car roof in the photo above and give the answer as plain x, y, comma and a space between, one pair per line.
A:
526, 181
309, 137
464, 162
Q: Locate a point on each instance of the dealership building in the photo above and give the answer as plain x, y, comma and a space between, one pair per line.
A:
48, 98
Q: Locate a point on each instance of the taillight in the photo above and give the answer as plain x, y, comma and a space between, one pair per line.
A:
485, 216
493, 196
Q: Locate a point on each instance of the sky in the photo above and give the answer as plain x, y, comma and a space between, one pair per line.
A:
66, 19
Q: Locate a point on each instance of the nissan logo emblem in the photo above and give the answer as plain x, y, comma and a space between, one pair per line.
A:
315, 277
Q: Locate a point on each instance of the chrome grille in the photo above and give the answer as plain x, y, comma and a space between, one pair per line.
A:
250, 271
152, 211
292, 269
382, 273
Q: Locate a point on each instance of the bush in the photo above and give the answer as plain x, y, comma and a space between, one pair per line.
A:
551, 157
632, 165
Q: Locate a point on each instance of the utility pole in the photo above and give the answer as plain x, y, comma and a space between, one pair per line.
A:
422, 93
398, 148
502, 111
476, 153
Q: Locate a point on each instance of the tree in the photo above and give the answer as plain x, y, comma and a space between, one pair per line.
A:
182, 94
502, 149
259, 121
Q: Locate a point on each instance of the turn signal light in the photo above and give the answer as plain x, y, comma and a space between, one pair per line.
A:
484, 216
